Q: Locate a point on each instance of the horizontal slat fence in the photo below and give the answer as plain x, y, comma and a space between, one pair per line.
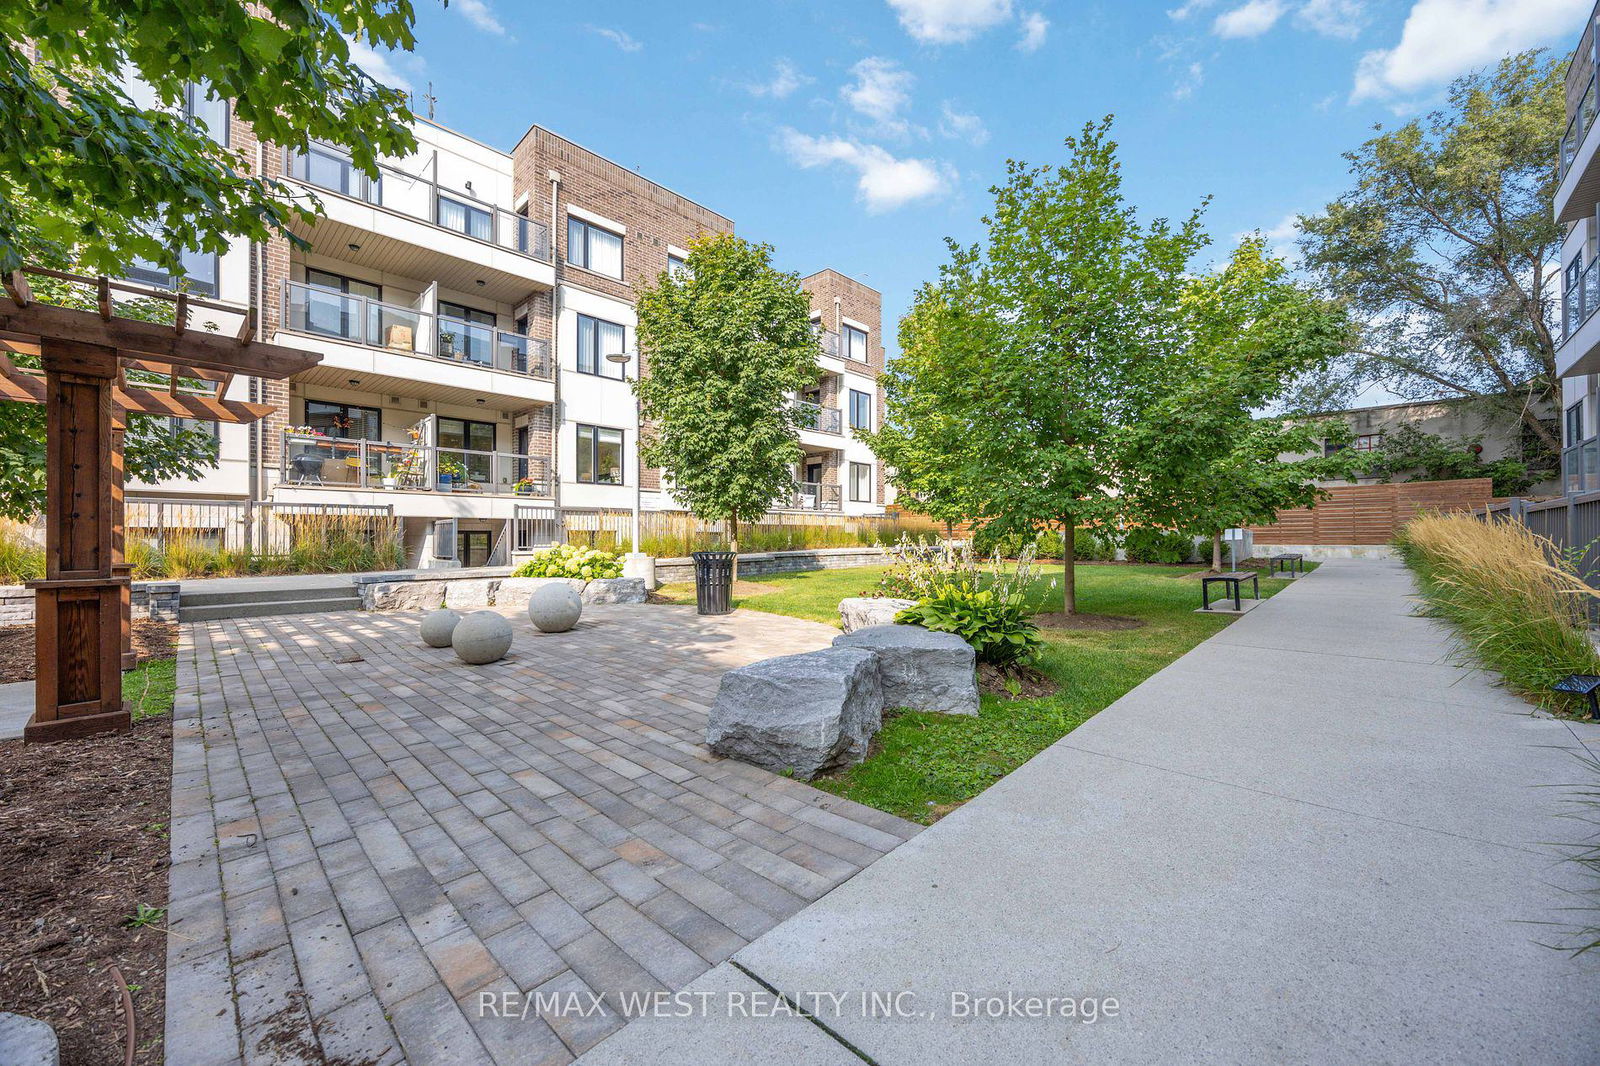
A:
1370, 514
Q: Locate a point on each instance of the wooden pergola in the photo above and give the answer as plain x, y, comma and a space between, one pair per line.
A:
82, 604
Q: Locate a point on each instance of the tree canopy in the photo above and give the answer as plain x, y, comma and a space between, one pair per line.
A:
726, 345
1445, 250
89, 176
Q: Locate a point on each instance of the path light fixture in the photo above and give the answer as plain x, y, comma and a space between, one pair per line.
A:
1581, 685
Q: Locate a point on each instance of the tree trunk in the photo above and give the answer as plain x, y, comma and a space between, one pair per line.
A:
733, 545
1216, 551
949, 530
1069, 552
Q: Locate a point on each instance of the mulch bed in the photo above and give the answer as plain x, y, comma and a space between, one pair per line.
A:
151, 640
1030, 684
1099, 623
83, 842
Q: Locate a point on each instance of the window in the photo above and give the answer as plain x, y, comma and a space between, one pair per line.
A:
461, 440
855, 344
860, 410
345, 421
464, 218
1575, 423
677, 268
466, 333
196, 425
199, 273
860, 482
593, 248
472, 547
212, 111
332, 170
597, 339
333, 304
1366, 442
599, 455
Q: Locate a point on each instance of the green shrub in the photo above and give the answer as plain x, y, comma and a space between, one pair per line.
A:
1146, 544
996, 625
19, 560
569, 560
1092, 546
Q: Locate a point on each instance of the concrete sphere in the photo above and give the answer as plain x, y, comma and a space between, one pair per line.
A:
437, 626
555, 608
481, 637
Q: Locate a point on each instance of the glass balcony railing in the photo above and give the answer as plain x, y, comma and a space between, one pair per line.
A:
819, 418
1580, 466
323, 312
461, 212
1578, 127
1580, 301
334, 462
812, 496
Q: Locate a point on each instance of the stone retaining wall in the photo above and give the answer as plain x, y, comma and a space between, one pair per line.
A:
425, 590
755, 564
156, 600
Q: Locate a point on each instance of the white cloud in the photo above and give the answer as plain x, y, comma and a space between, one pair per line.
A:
1445, 38
618, 38
1190, 83
786, 78
1189, 8
880, 90
1250, 19
1282, 239
883, 182
384, 67
479, 15
1333, 18
1034, 28
962, 126
951, 21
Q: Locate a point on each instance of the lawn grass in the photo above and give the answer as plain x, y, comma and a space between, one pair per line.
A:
928, 763
148, 688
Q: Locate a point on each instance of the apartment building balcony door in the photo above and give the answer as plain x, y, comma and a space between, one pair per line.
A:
328, 309
473, 547
471, 444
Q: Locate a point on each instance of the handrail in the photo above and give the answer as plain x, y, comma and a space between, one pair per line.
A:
822, 419
816, 496
507, 229
316, 311
359, 463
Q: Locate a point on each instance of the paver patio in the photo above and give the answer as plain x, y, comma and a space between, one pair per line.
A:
367, 835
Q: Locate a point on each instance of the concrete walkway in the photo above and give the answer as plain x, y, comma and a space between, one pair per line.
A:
16, 707
1312, 839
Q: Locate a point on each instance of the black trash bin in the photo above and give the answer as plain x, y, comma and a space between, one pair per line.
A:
713, 582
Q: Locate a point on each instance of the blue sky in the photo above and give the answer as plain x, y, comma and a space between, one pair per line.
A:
858, 135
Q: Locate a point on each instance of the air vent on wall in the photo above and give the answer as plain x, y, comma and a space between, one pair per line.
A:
505, 416
422, 405
394, 399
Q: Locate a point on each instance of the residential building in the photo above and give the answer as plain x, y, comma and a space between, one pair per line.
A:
464, 304
1577, 208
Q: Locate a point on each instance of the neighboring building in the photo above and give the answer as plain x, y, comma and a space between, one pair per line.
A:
1577, 206
1500, 437
464, 305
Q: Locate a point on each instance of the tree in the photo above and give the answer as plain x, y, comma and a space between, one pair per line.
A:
728, 343
1445, 250
1410, 450
921, 436
89, 176
1205, 460
1067, 322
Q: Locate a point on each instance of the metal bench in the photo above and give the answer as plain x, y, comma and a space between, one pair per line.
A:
1232, 582
1292, 563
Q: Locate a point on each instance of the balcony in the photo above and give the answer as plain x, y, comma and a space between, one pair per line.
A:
405, 224
320, 312
1580, 467
818, 418
1578, 190
1578, 351
813, 496
311, 461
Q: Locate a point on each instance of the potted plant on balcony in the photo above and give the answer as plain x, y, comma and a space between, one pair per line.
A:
523, 487
447, 344
451, 473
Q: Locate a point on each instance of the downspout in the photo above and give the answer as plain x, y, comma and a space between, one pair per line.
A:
555, 348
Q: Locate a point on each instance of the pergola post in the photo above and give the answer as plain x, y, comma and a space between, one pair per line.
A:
119, 536
79, 603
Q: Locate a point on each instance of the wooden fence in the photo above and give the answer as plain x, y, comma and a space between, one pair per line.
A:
1370, 514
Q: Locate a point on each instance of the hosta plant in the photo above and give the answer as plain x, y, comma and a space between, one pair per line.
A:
995, 624
569, 560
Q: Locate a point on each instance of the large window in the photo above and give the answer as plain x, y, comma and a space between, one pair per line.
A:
464, 441
464, 218
333, 304
199, 273
344, 420
855, 344
332, 170
599, 455
466, 333
593, 248
860, 482
860, 410
677, 268
1574, 424
597, 339
198, 103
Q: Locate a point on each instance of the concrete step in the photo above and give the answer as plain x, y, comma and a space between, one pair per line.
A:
211, 612
247, 594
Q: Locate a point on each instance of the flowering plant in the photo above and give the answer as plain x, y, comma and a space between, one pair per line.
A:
569, 560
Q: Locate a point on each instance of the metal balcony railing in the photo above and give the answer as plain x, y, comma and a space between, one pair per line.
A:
321, 312
335, 462
813, 496
830, 343
461, 212
819, 418
1578, 127
1580, 301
